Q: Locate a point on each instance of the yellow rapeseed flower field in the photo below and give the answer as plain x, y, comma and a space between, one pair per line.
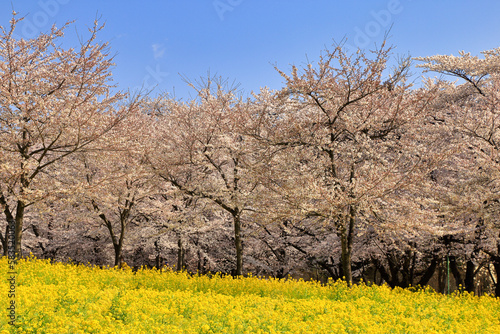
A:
63, 298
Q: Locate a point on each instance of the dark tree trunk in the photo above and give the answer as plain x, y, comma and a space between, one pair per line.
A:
429, 272
394, 268
496, 264
470, 271
158, 262
408, 268
5, 241
118, 244
158, 257
238, 244
399, 274
180, 255
384, 275
332, 269
346, 240
10, 223
117, 241
202, 263
118, 255
469, 276
459, 281
18, 232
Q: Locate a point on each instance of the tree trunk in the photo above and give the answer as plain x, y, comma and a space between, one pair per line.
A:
345, 260
408, 268
238, 244
118, 256
469, 276
118, 244
180, 255
331, 268
424, 280
346, 240
384, 275
158, 258
5, 241
10, 219
158, 261
202, 261
496, 264
18, 232
456, 272
395, 269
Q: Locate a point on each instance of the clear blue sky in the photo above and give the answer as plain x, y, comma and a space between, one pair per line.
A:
155, 41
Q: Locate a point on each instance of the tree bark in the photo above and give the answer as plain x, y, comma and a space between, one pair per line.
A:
180, 255
158, 258
118, 256
10, 222
17, 221
424, 280
384, 275
346, 240
332, 272
18, 232
117, 242
394, 268
5, 240
408, 271
119, 247
469, 276
496, 264
238, 244
345, 260
459, 281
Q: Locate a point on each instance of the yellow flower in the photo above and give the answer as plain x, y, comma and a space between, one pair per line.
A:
58, 298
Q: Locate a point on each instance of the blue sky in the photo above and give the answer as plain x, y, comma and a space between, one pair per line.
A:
156, 40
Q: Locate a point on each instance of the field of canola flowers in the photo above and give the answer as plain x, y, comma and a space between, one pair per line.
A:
64, 298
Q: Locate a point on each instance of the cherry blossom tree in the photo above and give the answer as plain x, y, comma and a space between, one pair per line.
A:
202, 153
54, 102
118, 185
349, 139
471, 107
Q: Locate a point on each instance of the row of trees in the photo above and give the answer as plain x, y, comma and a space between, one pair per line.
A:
347, 171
